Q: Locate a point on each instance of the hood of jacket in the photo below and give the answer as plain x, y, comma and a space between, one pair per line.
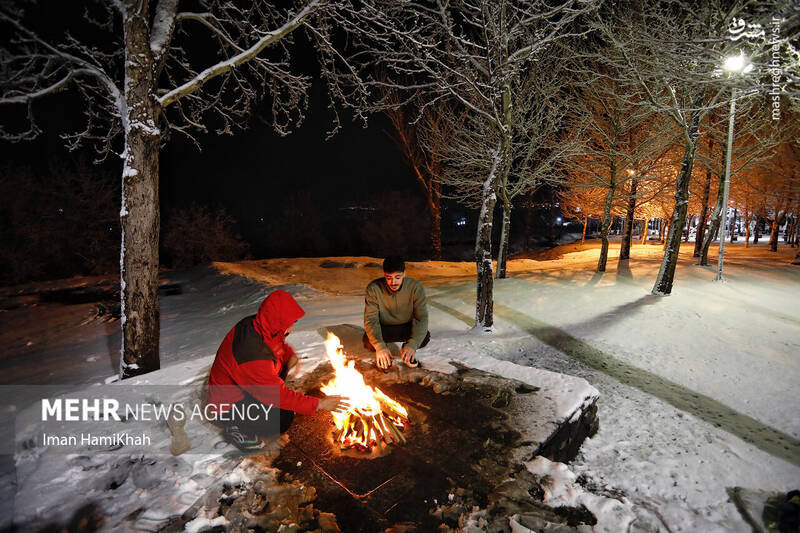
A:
277, 312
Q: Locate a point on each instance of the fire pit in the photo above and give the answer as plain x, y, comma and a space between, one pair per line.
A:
373, 419
375, 470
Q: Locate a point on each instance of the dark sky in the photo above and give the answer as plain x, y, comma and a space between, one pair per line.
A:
254, 168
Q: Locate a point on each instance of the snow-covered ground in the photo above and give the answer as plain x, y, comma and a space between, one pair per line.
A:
698, 391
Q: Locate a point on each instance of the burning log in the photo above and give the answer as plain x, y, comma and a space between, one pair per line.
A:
373, 417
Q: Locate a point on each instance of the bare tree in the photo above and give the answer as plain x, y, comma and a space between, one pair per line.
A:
475, 54
424, 163
623, 143
674, 56
708, 146
150, 76
775, 182
755, 140
582, 200
541, 140
646, 184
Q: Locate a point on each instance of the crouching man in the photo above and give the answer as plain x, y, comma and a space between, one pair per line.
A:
395, 310
249, 371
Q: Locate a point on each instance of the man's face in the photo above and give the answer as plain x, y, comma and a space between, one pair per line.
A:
394, 279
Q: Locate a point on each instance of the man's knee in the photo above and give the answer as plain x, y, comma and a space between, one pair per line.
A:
426, 340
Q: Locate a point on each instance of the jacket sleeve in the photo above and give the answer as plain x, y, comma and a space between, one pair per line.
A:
264, 373
288, 352
372, 321
419, 320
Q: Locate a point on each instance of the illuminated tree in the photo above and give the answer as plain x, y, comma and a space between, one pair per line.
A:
581, 201
620, 147
674, 55
755, 140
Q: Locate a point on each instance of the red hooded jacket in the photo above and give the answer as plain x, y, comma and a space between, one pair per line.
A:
254, 353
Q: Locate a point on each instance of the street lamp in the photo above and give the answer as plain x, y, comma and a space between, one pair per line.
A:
738, 64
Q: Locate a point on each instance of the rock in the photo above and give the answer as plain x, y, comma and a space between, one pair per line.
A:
327, 522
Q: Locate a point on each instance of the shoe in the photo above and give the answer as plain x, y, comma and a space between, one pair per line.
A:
243, 441
413, 363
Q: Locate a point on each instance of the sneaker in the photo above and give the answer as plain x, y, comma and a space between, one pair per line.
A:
413, 363
243, 441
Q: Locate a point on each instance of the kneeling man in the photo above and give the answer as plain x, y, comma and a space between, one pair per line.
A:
395, 310
249, 372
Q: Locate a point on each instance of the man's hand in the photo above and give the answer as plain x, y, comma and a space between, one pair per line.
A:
336, 404
408, 354
383, 358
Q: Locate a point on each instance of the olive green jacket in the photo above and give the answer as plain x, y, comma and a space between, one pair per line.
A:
383, 306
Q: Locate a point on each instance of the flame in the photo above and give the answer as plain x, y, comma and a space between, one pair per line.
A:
373, 416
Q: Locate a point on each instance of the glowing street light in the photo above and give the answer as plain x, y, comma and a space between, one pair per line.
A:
738, 64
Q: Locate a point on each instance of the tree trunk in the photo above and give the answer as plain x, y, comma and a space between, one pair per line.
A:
701, 224
645, 230
666, 273
502, 253
747, 219
436, 229
757, 231
607, 220
667, 227
688, 228
791, 232
787, 230
583, 235
716, 217
734, 237
484, 304
627, 235
774, 231
796, 258
139, 216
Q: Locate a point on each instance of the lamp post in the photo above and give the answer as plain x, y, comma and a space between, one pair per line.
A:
733, 65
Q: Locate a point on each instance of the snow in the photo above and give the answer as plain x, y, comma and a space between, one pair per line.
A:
694, 390
561, 489
162, 26
199, 524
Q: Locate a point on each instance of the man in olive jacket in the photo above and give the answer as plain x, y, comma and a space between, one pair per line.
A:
395, 310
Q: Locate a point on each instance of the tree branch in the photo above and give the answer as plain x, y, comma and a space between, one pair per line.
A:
221, 68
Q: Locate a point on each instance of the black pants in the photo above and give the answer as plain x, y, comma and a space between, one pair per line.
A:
395, 333
262, 425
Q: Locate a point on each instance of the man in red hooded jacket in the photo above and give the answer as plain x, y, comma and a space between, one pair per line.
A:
249, 371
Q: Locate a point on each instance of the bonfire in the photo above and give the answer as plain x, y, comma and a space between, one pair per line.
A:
373, 418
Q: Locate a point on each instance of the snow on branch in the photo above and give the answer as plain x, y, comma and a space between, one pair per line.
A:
266, 40
34, 67
163, 26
